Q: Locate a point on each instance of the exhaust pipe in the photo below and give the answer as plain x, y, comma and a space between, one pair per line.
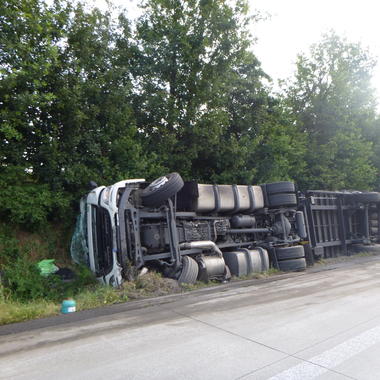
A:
206, 244
210, 267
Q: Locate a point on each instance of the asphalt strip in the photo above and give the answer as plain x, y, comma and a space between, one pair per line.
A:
322, 363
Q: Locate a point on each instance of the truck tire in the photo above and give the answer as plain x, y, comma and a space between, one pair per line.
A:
189, 272
277, 200
280, 187
370, 197
293, 265
286, 253
161, 189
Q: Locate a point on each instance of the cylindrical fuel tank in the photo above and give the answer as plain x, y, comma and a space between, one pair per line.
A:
236, 262
206, 198
242, 262
228, 199
264, 259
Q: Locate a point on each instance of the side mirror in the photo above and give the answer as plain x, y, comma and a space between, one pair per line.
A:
92, 185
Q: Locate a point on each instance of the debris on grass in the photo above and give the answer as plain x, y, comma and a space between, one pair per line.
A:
151, 284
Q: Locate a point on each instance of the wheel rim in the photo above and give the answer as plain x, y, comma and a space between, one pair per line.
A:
159, 182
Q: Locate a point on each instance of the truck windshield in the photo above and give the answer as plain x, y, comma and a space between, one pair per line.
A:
102, 240
79, 248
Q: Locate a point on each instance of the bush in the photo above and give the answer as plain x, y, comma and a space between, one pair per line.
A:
9, 245
21, 279
23, 282
25, 202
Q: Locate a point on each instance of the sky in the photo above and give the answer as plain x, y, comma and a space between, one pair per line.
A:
294, 25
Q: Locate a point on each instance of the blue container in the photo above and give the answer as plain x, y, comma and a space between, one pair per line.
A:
68, 306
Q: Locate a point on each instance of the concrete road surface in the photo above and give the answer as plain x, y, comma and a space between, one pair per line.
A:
323, 324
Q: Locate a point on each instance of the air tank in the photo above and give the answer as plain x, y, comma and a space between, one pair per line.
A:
243, 221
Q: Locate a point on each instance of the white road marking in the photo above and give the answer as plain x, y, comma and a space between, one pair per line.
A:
330, 359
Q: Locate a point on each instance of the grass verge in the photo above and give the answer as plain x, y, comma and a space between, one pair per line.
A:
150, 285
93, 296
13, 311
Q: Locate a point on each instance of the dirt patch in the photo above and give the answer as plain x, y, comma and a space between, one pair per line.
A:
151, 284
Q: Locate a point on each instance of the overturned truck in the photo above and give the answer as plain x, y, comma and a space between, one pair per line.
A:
190, 231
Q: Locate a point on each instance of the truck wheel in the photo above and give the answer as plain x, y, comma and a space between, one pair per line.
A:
286, 253
161, 190
277, 200
292, 265
280, 187
189, 271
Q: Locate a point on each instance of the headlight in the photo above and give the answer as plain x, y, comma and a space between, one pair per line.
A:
106, 194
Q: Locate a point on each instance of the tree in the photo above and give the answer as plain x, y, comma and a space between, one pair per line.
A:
188, 51
96, 128
65, 104
29, 32
334, 105
280, 149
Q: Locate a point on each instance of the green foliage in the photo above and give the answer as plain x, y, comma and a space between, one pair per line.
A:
344, 162
9, 245
26, 202
65, 115
23, 281
332, 88
84, 97
335, 107
21, 277
281, 148
190, 55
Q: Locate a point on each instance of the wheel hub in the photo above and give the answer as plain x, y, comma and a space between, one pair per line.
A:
159, 182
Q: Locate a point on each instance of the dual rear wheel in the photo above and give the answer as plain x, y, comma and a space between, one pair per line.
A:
280, 194
291, 259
